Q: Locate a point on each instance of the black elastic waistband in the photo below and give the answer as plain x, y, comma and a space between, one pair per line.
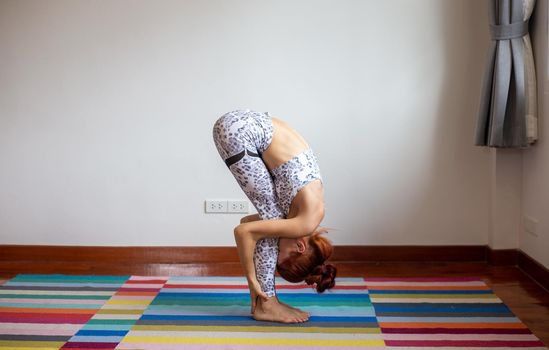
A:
233, 159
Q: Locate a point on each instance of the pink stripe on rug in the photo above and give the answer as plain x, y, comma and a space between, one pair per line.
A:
162, 279
460, 337
463, 343
145, 281
40, 318
47, 301
245, 287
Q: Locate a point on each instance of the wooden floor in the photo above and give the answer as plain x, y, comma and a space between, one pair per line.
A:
528, 300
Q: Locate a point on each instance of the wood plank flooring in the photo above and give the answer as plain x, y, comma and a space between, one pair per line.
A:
527, 299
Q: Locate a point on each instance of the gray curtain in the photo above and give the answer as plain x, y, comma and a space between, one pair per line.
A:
508, 108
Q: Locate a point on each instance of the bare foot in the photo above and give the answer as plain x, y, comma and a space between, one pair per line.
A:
273, 310
295, 309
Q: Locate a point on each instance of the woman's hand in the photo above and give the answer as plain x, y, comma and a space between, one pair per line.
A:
256, 293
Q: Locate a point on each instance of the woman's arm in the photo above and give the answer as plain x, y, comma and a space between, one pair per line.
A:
248, 233
264, 259
297, 227
246, 246
266, 248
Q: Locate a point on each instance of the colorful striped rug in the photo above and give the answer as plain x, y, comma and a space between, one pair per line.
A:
169, 313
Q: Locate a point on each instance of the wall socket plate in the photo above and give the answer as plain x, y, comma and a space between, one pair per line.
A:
226, 206
240, 206
216, 206
530, 225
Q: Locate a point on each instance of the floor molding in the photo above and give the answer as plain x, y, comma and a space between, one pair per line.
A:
46, 258
187, 255
534, 269
409, 253
119, 255
501, 257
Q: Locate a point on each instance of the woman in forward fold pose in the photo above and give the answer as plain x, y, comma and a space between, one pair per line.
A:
279, 173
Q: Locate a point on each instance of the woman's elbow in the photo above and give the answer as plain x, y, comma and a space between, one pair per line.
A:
309, 228
238, 232
241, 233
312, 224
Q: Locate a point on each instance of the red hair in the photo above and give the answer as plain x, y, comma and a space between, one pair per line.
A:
310, 266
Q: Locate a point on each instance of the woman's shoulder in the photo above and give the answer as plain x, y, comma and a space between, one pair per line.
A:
309, 201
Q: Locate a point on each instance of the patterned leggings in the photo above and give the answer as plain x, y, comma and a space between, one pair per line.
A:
240, 138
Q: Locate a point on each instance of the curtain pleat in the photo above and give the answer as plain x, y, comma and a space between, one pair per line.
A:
508, 108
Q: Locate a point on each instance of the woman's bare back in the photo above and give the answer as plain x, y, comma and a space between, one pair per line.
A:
286, 144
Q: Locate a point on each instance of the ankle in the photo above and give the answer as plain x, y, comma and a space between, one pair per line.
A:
270, 303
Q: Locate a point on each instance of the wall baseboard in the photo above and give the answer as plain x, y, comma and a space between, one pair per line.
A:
192, 255
501, 257
534, 269
119, 255
409, 253
44, 258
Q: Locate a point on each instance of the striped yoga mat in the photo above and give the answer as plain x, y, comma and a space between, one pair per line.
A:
154, 313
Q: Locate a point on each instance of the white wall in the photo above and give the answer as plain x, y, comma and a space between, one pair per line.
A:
506, 198
536, 160
106, 111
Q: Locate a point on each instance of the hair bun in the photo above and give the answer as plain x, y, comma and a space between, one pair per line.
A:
323, 276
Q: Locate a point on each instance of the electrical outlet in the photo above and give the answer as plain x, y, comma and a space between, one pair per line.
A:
530, 225
216, 206
237, 206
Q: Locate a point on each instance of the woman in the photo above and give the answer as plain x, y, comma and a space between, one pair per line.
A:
279, 173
